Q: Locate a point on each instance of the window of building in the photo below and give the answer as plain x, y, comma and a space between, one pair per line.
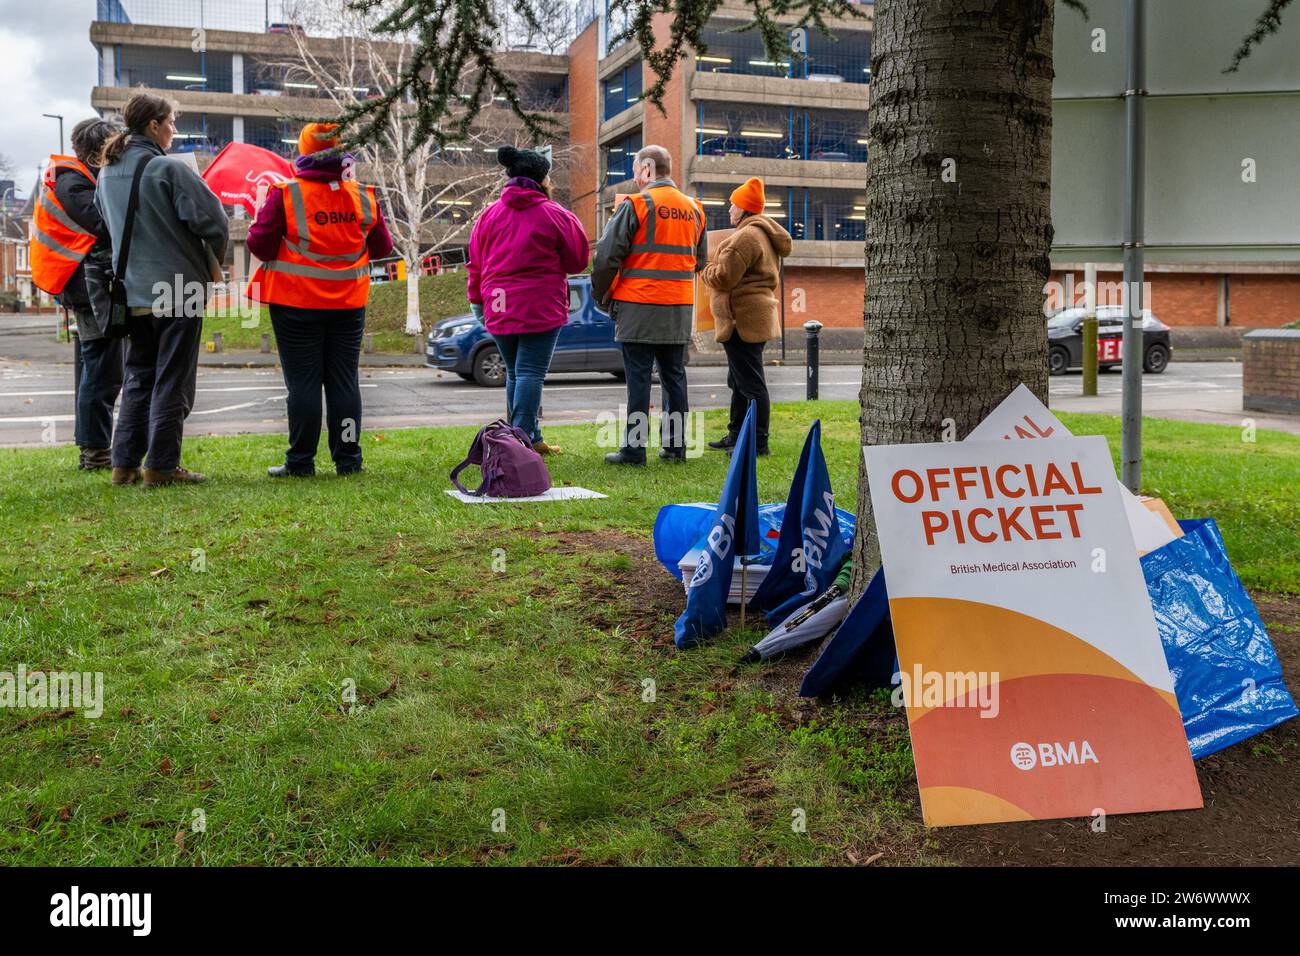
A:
618, 157
277, 135
622, 90
202, 133
827, 214
544, 91
728, 129
278, 78
837, 136
774, 132
845, 58
173, 69
454, 211
716, 201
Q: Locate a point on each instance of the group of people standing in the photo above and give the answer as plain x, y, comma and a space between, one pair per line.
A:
121, 238
525, 245
131, 343
124, 240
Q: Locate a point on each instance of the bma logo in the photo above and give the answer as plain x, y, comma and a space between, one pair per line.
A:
1025, 757
716, 547
664, 212
327, 218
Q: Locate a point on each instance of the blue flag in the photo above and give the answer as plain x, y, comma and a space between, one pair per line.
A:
811, 549
734, 533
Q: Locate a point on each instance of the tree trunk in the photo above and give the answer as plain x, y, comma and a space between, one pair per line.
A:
959, 225
412, 296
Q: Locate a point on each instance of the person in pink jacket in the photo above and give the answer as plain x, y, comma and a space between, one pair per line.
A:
521, 252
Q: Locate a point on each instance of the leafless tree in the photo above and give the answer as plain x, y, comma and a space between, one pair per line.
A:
551, 32
430, 195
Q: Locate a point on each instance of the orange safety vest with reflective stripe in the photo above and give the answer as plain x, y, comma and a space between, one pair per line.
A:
660, 269
323, 262
56, 244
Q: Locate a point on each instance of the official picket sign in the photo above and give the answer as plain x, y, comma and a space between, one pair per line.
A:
1011, 563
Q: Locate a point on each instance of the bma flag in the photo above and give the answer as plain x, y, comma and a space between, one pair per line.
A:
734, 532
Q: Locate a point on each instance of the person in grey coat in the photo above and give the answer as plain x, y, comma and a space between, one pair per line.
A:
644, 273
177, 244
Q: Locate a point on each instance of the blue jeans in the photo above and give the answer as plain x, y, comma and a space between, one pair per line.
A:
528, 358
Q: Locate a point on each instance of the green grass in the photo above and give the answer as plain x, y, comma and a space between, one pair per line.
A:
518, 690
440, 297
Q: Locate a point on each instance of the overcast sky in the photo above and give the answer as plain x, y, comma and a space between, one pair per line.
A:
47, 65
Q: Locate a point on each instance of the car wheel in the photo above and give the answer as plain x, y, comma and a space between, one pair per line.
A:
1156, 360
1058, 360
489, 367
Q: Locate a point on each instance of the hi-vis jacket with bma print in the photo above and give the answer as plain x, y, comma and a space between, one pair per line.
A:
323, 262
645, 265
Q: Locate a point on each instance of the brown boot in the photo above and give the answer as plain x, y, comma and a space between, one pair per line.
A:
95, 459
126, 476
178, 475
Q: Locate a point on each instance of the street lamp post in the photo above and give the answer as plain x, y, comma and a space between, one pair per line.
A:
58, 117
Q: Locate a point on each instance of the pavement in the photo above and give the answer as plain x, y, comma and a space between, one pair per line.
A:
247, 395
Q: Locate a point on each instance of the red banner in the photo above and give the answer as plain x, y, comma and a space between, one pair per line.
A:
240, 169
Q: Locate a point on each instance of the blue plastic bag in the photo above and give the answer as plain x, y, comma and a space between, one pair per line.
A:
1226, 674
679, 528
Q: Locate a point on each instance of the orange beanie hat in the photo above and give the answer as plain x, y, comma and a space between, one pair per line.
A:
749, 196
316, 137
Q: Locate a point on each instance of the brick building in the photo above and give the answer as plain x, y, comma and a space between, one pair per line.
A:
731, 112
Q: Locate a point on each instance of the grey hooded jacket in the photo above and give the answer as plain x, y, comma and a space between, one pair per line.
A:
180, 229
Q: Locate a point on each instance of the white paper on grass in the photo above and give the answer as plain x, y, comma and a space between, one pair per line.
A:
554, 494
1022, 415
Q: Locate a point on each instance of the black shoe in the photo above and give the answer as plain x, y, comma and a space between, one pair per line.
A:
283, 471
353, 470
622, 458
762, 451
670, 454
724, 443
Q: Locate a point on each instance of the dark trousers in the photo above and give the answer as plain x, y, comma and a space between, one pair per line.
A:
639, 360
321, 348
747, 382
101, 381
162, 356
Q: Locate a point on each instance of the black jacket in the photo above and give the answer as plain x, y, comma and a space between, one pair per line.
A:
76, 194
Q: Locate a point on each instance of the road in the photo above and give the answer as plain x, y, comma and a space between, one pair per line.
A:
36, 398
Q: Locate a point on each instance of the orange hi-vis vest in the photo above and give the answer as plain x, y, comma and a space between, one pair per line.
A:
660, 269
323, 262
56, 244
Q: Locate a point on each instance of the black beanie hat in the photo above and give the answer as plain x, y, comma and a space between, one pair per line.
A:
528, 163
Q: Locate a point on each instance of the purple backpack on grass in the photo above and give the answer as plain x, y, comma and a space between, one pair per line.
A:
510, 466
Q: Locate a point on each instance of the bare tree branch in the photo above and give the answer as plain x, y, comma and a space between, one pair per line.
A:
1268, 23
